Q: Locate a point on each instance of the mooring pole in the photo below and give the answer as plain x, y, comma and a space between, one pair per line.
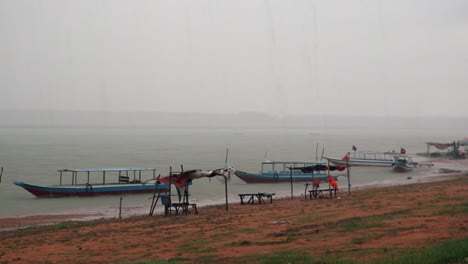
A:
225, 180
120, 208
347, 174
291, 181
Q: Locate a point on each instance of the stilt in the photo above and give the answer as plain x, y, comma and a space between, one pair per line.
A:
155, 199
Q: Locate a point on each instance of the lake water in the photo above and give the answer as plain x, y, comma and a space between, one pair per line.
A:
33, 155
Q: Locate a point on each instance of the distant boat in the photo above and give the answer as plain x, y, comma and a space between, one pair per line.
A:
284, 171
399, 162
125, 183
403, 163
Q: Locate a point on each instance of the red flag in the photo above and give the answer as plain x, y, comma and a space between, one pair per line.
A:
354, 148
346, 157
403, 151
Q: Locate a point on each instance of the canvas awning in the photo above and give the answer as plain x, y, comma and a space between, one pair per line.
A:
440, 146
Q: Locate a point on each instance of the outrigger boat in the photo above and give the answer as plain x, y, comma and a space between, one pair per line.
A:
283, 171
125, 184
399, 162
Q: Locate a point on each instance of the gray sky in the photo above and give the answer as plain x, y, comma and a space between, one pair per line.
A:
366, 57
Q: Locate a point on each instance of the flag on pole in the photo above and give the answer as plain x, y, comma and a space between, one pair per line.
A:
403, 151
346, 157
354, 148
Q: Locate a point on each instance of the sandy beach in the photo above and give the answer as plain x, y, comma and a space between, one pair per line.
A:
370, 223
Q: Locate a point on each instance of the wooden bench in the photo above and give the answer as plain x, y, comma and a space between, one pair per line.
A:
252, 197
316, 193
177, 206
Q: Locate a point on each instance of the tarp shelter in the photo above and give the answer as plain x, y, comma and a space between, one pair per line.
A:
447, 146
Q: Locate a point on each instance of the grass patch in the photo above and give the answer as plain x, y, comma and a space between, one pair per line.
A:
171, 260
352, 224
278, 257
197, 246
454, 209
247, 230
448, 252
63, 225
465, 208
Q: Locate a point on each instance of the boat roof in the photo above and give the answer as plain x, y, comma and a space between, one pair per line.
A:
106, 169
291, 162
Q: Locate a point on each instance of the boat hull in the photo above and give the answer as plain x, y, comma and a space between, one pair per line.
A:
279, 177
361, 162
402, 168
92, 190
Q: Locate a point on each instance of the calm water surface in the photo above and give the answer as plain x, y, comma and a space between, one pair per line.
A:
33, 155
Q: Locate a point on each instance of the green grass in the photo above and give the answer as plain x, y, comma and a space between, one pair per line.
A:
63, 225
278, 257
352, 224
454, 251
248, 230
448, 252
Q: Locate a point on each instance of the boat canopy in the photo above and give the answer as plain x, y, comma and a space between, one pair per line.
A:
286, 165
123, 174
370, 155
290, 162
107, 170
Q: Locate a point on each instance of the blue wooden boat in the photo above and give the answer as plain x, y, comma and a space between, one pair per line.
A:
124, 183
283, 171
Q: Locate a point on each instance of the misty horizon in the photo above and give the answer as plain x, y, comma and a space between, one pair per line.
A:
246, 120
294, 58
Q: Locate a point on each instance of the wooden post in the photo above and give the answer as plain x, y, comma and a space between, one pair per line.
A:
347, 174
169, 198
1, 173
316, 152
291, 181
225, 179
120, 208
155, 200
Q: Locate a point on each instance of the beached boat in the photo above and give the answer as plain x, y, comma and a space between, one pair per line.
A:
283, 171
124, 183
399, 162
359, 158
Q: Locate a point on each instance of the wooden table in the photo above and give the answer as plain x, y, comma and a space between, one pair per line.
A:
177, 206
315, 193
255, 196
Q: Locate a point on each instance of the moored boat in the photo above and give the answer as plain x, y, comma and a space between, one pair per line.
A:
403, 163
285, 171
397, 161
125, 183
371, 159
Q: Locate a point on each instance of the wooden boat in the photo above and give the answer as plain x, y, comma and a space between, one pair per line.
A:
371, 159
397, 161
403, 163
283, 171
125, 183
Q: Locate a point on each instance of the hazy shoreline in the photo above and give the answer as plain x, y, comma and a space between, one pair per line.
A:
10, 223
173, 120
